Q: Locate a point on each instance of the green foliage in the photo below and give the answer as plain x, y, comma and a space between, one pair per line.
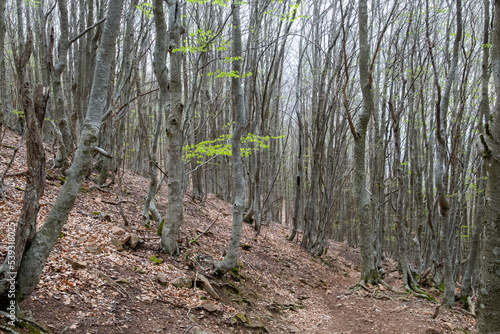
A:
32, 3
231, 74
160, 228
19, 113
289, 16
222, 146
146, 9
155, 260
223, 3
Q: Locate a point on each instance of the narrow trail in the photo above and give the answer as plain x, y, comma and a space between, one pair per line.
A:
90, 285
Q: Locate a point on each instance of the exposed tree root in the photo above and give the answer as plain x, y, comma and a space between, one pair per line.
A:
24, 323
8, 329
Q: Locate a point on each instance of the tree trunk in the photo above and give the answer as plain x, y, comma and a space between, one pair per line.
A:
369, 273
174, 214
230, 261
36, 254
488, 312
34, 107
440, 175
58, 112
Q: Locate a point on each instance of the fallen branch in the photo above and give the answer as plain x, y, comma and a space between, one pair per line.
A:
17, 174
204, 232
113, 284
10, 163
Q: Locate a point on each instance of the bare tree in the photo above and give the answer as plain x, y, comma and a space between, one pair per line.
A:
488, 313
174, 214
43, 242
230, 261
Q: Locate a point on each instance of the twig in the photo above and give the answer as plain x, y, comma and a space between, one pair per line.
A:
71, 41
17, 174
113, 284
11, 161
158, 291
204, 232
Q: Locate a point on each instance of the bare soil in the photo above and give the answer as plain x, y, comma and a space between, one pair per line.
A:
278, 288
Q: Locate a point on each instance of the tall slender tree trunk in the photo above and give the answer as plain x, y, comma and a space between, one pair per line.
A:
174, 214
441, 151
64, 134
488, 312
230, 261
369, 274
34, 107
466, 290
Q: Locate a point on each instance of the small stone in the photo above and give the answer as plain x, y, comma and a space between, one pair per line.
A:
117, 231
25, 314
162, 279
197, 330
134, 241
210, 308
126, 239
432, 331
182, 282
117, 243
105, 216
94, 248
293, 329
76, 264
449, 326
192, 317
205, 285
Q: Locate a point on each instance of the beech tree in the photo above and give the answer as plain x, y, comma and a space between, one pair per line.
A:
328, 117
230, 261
488, 320
43, 241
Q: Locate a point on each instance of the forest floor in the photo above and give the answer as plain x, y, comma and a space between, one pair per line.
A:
90, 285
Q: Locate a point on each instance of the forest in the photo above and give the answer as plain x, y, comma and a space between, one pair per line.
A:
344, 148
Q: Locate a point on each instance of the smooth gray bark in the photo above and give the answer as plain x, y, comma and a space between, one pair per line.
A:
230, 261
369, 273
440, 174
65, 142
174, 213
488, 312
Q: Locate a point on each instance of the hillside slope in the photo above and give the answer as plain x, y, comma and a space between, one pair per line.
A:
91, 285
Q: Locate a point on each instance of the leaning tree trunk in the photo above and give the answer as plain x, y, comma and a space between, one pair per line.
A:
36, 254
231, 259
488, 312
174, 213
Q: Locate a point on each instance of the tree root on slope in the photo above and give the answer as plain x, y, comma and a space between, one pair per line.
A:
24, 323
